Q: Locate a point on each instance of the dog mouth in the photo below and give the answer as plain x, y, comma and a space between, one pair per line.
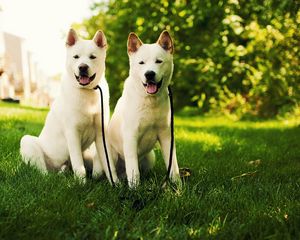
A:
152, 87
84, 80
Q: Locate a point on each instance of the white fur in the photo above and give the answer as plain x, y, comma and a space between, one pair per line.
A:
74, 121
140, 119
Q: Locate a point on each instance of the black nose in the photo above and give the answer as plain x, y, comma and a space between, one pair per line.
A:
83, 68
150, 75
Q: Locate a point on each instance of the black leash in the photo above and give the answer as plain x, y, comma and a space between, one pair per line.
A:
172, 134
103, 135
184, 172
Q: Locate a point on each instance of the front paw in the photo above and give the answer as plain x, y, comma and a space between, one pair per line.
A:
80, 180
117, 182
175, 178
97, 174
80, 174
134, 182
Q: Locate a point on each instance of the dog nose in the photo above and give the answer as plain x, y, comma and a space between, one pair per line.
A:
150, 75
83, 68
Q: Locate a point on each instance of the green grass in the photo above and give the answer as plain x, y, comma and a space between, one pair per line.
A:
226, 197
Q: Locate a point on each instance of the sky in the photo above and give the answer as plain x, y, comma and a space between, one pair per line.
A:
43, 23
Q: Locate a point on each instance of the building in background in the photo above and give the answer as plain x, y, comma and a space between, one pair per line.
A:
20, 75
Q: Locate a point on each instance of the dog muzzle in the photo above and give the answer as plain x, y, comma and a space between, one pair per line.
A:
152, 87
84, 80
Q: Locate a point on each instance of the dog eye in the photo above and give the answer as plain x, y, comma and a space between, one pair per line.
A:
141, 62
158, 61
92, 57
76, 56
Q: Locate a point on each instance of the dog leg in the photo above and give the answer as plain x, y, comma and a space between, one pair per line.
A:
32, 152
165, 142
119, 163
131, 161
88, 157
75, 152
97, 166
92, 161
148, 162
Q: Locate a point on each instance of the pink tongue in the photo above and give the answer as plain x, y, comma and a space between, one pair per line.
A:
151, 88
84, 80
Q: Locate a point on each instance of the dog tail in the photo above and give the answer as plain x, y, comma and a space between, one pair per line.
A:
32, 152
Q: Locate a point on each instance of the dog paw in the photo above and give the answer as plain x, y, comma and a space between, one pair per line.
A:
80, 180
64, 168
80, 174
117, 182
133, 183
97, 174
176, 180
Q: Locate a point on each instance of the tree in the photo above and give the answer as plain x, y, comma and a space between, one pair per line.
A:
232, 56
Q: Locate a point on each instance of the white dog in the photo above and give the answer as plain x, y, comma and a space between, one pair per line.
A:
142, 114
74, 121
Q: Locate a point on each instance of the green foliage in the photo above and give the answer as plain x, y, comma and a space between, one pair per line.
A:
244, 185
237, 57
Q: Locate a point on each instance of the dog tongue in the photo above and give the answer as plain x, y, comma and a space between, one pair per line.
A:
84, 80
151, 88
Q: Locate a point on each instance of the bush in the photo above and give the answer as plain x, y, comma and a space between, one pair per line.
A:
234, 57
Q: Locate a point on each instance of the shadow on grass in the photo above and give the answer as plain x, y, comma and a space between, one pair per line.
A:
229, 150
19, 106
14, 130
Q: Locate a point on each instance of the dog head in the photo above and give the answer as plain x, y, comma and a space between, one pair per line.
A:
86, 59
151, 65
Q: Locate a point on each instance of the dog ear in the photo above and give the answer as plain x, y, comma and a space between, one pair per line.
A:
100, 39
133, 43
71, 38
166, 42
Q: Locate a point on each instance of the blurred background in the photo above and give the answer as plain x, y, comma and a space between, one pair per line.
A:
234, 57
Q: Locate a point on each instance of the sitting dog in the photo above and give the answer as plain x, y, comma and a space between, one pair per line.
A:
74, 120
142, 114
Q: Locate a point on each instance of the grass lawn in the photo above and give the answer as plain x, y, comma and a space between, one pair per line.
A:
245, 184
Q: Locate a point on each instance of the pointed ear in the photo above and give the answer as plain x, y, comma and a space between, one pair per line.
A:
133, 43
71, 38
100, 39
166, 42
